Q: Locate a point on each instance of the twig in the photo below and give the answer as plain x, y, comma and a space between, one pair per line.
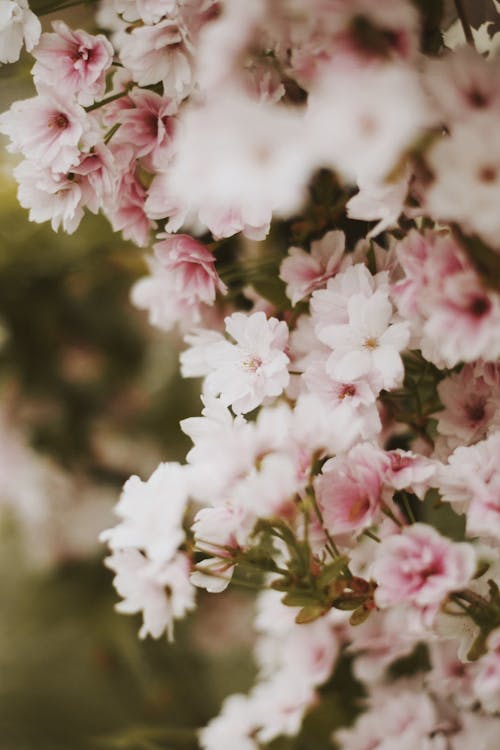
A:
465, 22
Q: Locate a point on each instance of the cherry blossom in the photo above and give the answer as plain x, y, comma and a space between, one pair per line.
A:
162, 592
304, 272
151, 514
349, 489
246, 372
420, 566
48, 129
74, 62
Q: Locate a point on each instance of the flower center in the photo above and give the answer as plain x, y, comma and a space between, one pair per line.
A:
475, 410
59, 121
347, 391
371, 343
479, 306
359, 508
252, 363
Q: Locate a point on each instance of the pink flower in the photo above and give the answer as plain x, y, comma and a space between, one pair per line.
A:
466, 184
471, 482
127, 214
348, 490
182, 279
487, 682
160, 53
148, 126
465, 324
454, 317
235, 726
378, 110
191, 266
471, 407
463, 83
48, 129
356, 399
158, 294
420, 567
49, 196
398, 716
304, 272
408, 470
73, 62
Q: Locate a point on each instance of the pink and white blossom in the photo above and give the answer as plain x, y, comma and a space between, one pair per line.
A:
454, 316
487, 681
357, 324
397, 716
304, 272
73, 62
149, 127
49, 130
466, 185
251, 369
407, 470
160, 53
348, 490
420, 567
182, 279
471, 482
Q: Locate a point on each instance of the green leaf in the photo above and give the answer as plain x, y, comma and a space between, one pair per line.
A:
478, 648
360, 615
293, 599
332, 571
310, 613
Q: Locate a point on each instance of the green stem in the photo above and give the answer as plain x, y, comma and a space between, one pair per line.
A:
472, 598
407, 507
371, 535
63, 6
105, 101
111, 132
318, 512
390, 514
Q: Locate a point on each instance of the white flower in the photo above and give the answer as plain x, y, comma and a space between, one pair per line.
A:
233, 728
466, 186
17, 24
223, 449
246, 372
379, 200
364, 341
238, 162
161, 592
152, 513
362, 118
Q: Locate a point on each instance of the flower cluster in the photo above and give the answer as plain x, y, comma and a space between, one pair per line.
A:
319, 181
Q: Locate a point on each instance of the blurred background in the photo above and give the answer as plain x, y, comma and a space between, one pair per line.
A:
89, 394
